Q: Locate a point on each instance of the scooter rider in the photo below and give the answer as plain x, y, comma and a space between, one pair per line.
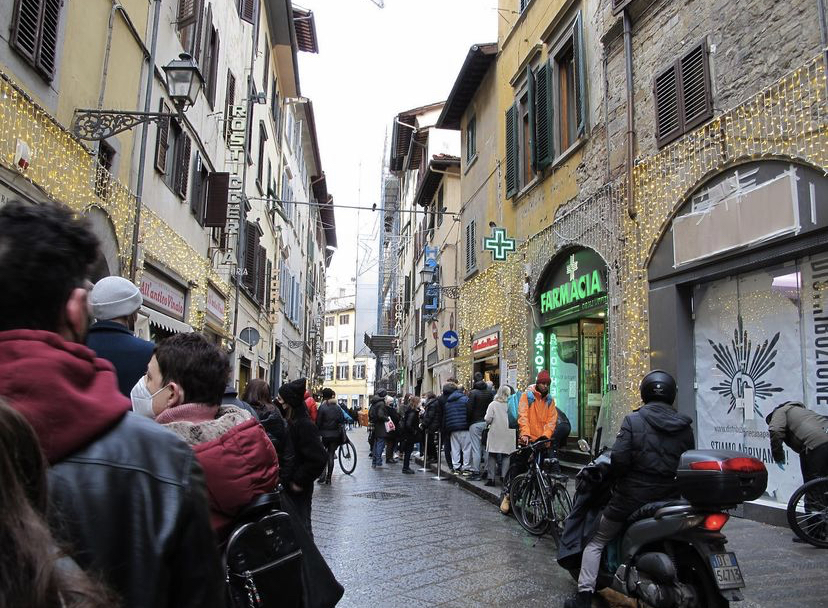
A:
644, 461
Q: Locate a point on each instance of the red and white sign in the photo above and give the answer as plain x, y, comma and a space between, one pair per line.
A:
215, 304
485, 343
163, 296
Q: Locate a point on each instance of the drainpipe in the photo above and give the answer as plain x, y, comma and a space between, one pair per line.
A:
630, 114
139, 188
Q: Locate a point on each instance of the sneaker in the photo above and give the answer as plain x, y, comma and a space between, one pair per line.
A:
505, 505
474, 477
466, 473
408, 471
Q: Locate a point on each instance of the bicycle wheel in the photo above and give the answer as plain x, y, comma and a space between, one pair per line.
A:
560, 507
529, 505
808, 512
347, 457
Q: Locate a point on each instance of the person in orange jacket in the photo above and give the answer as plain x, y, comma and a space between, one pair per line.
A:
537, 414
312, 406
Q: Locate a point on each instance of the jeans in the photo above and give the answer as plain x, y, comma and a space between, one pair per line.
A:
498, 467
460, 446
379, 450
591, 560
476, 435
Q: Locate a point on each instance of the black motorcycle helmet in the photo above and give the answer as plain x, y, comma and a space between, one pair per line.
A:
658, 385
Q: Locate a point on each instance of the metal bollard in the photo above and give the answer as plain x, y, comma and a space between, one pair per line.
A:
439, 457
424, 450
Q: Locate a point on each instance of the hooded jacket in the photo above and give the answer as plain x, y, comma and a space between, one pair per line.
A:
479, 399
310, 456
144, 552
794, 424
238, 459
456, 418
378, 415
442, 399
537, 418
646, 455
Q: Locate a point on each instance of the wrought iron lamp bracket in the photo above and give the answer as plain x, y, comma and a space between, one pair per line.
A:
95, 125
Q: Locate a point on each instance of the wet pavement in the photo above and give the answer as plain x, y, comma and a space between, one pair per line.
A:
409, 540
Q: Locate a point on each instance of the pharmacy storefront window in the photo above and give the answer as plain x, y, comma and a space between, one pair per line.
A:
760, 339
572, 339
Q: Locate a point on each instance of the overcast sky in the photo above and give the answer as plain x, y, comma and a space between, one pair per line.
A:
372, 64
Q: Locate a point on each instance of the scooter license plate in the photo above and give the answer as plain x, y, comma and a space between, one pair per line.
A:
726, 571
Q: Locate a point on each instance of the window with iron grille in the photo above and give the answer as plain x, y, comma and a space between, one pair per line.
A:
34, 33
682, 94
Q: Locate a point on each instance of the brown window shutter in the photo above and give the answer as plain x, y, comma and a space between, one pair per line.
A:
182, 176
162, 139
667, 105
47, 54
26, 27
199, 34
580, 76
261, 272
214, 63
268, 284
187, 13
697, 101
218, 189
266, 74
511, 151
544, 147
247, 10
251, 249
229, 99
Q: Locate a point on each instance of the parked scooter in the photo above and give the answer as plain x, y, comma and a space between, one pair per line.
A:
672, 553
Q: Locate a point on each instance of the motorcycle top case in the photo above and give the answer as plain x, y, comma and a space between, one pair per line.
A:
718, 478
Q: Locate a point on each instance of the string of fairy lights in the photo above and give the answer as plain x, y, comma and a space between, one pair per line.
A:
63, 168
787, 120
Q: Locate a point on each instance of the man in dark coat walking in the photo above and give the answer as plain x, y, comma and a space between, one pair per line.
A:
644, 461
378, 416
115, 302
329, 420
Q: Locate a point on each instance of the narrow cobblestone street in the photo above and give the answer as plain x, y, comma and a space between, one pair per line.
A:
409, 540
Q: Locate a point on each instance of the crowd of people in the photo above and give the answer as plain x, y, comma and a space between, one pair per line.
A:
472, 426
125, 464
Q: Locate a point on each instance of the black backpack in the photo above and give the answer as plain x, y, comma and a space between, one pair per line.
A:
263, 559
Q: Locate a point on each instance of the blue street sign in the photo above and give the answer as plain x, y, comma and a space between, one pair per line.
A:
450, 339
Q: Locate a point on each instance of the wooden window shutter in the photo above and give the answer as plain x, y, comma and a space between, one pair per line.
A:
697, 101
251, 249
47, 54
199, 35
268, 284
218, 189
580, 76
182, 172
261, 274
229, 99
247, 10
162, 139
667, 105
474, 244
266, 70
530, 102
26, 22
511, 151
544, 146
187, 13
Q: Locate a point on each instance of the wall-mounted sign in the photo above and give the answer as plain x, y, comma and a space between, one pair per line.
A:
539, 356
162, 295
450, 339
216, 304
238, 130
485, 344
431, 268
499, 244
578, 278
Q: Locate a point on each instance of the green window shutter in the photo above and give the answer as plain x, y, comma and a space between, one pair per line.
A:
580, 76
530, 101
511, 151
544, 146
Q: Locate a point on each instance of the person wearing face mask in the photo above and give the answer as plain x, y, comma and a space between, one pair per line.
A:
100, 456
186, 377
115, 302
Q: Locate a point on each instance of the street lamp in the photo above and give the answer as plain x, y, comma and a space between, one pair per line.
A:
184, 81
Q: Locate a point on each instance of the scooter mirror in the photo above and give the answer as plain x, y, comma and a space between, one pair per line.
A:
583, 445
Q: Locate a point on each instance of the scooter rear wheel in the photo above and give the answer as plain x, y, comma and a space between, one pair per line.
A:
694, 572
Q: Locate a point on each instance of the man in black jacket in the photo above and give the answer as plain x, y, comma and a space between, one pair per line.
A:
479, 399
644, 461
378, 416
330, 420
159, 552
431, 423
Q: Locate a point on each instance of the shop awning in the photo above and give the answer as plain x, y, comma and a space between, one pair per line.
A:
159, 319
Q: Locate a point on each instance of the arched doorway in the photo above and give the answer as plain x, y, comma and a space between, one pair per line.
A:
570, 336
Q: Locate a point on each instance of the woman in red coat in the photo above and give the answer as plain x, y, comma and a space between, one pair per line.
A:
186, 377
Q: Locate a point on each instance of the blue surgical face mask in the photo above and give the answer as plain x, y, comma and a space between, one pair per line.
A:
142, 399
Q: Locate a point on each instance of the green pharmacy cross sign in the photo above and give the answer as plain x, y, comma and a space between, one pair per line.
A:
499, 244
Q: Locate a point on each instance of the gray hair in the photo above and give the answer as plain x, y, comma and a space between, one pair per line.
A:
503, 393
